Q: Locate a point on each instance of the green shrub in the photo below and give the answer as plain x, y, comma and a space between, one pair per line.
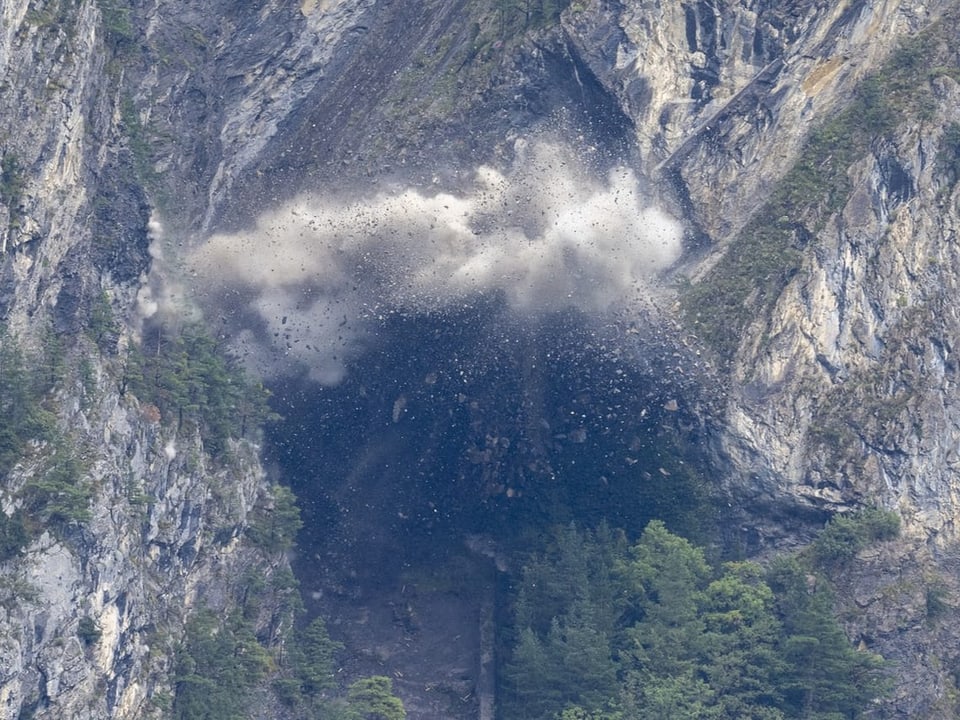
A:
372, 698
116, 19
879, 524
102, 325
948, 157
22, 391
12, 184
936, 600
56, 494
288, 691
14, 535
846, 535
840, 540
89, 631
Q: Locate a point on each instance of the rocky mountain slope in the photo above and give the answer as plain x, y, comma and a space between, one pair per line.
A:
810, 149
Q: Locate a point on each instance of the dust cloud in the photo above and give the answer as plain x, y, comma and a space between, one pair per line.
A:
308, 284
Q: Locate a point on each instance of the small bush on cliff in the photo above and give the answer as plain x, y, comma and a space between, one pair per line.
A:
846, 535
11, 186
57, 494
89, 631
948, 157
517, 16
14, 535
102, 325
116, 20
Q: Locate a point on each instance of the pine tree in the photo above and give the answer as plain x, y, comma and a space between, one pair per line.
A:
217, 667
566, 615
372, 698
22, 417
317, 652
825, 676
531, 687
666, 575
741, 663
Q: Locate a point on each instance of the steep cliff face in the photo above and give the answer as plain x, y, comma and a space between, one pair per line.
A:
839, 372
722, 95
94, 604
93, 615
841, 384
862, 340
723, 98
58, 161
283, 99
844, 394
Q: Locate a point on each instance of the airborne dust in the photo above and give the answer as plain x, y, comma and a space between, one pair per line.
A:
304, 288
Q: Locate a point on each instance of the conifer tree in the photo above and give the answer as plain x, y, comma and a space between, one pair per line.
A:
825, 675
372, 698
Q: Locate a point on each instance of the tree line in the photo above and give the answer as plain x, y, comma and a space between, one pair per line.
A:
605, 630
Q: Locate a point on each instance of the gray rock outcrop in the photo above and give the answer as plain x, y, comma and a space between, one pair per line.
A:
840, 391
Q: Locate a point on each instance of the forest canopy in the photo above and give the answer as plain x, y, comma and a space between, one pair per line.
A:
606, 630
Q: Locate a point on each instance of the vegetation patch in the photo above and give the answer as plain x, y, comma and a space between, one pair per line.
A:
57, 495
465, 58
89, 631
14, 534
193, 382
12, 184
116, 20
22, 393
275, 521
605, 630
518, 16
225, 659
55, 491
846, 535
948, 157
139, 142
217, 668
102, 327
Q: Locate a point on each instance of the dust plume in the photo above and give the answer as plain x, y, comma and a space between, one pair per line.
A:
309, 281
